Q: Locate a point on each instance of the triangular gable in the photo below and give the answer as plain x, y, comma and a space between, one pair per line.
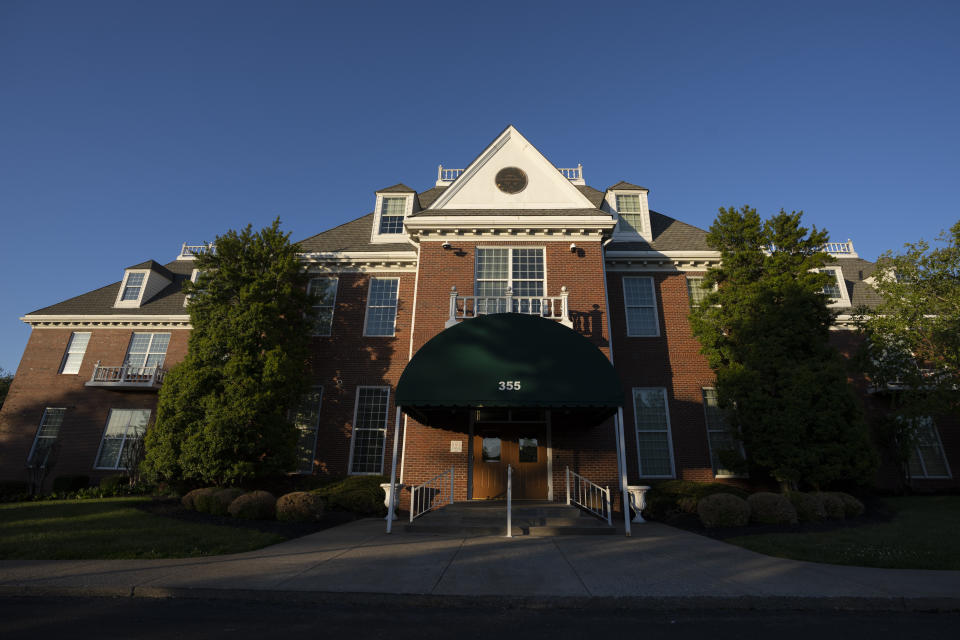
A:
546, 187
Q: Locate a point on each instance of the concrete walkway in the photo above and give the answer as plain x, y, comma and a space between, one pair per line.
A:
658, 567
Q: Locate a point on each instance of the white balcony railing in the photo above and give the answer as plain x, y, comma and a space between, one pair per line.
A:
126, 376
191, 251
551, 307
446, 176
844, 249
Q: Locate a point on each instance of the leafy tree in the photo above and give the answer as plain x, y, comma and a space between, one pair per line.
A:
912, 338
222, 415
6, 379
763, 327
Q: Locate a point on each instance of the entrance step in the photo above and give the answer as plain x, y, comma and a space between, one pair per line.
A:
530, 518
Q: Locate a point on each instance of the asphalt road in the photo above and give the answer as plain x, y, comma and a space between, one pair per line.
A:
180, 619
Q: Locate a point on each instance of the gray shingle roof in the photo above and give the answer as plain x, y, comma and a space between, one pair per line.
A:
855, 271
595, 197
397, 188
350, 236
169, 301
668, 235
430, 196
154, 266
627, 185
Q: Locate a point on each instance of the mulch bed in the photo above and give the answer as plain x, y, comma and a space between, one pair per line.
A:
876, 513
171, 508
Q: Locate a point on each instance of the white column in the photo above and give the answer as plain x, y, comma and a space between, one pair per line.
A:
393, 472
622, 458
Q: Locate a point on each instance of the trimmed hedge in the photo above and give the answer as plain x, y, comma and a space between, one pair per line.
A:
189, 501
255, 505
723, 510
358, 494
217, 502
300, 506
809, 509
832, 505
682, 496
771, 508
852, 507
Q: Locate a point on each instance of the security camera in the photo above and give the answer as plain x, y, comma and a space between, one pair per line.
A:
446, 244
573, 247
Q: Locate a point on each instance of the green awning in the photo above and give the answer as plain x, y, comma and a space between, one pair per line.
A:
509, 360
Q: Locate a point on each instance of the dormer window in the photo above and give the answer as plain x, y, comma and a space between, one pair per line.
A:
628, 203
391, 215
630, 211
836, 290
132, 287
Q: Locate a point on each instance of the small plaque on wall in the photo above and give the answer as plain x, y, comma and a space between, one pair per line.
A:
456, 446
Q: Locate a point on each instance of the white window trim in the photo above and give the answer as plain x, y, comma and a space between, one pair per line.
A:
43, 419
396, 308
123, 285
388, 238
943, 452
844, 299
333, 304
706, 422
476, 257
66, 354
353, 430
148, 353
122, 443
619, 231
636, 430
193, 278
656, 314
316, 434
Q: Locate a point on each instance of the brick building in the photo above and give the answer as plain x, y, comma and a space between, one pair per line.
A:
491, 306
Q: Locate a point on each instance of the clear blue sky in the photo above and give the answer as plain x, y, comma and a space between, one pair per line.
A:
127, 128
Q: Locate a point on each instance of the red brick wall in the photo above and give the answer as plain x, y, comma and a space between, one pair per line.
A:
37, 385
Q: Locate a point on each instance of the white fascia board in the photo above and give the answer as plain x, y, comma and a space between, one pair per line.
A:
114, 318
361, 255
502, 222
673, 255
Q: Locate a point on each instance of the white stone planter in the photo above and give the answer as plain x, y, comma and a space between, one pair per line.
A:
386, 500
638, 500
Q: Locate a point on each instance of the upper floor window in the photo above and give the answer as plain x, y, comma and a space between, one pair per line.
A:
832, 290
46, 438
521, 271
147, 350
695, 291
382, 307
76, 348
132, 286
630, 212
326, 291
640, 306
391, 215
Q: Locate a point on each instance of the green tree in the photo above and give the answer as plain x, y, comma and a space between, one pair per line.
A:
6, 379
763, 327
912, 338
222, 415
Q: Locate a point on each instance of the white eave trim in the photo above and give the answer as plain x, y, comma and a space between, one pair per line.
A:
116, 320
531, 221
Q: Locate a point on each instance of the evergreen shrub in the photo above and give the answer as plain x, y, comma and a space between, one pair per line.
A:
832, 505
681, 496
358, 494
809, 509
723, 510
852, 507
771, 508
189, 501
254, 505
300, 506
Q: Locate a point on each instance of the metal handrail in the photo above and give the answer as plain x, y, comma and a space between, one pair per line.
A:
429, 496
126, 374
589, 496
551, 307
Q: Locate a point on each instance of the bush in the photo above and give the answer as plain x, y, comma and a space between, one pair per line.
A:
255, 505
771, 508
723, 510
11, 490
300, 506
189, 501
681, 496
113, 485
358, 494
809, 509
852, 508
832, 505
218, 502
65, 484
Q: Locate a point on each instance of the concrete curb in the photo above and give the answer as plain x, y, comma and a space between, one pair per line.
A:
649, 603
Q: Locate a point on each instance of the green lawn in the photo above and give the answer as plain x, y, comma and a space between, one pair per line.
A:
112, 528
922, 535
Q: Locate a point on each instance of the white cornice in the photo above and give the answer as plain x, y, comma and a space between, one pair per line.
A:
661, 260
112, 321
360, 261
569, 227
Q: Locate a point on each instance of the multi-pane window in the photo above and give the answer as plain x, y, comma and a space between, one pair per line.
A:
927, 459
831, 289
306, 417
47, 434
695, 291
132, 286
147, 350
719, 437
630, 212
75, 350
122, 438
369, 430
654, 448
640, 304
391, 215
519, 270
382, 307
326, 291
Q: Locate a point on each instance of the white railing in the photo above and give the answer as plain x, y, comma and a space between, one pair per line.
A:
840, 248
466, 307
589, 496
446, 176
509, 501
191, 251
574, 175
432, 494
126, 376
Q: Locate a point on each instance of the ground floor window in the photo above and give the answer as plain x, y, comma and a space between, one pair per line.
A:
306, 417
46, 438
927, 459
722, 442
122, 438
652, 419
369, 430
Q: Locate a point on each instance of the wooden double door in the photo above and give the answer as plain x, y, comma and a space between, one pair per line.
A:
521, 446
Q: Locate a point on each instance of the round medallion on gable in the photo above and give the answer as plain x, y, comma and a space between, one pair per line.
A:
511, 180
